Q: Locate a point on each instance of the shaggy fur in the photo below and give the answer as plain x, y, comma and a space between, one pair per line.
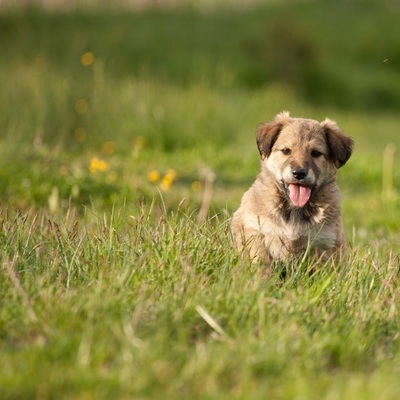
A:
295, 203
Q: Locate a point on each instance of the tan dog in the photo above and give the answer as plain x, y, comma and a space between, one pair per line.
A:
295, 203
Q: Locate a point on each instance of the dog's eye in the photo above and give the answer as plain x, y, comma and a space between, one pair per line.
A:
316, 153
286, 151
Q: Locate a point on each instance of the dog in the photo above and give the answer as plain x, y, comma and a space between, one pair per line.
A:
294, 205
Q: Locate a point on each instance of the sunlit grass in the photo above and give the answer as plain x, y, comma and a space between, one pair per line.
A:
122, 158
137, 302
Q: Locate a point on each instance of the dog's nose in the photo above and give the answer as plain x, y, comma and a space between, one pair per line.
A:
299, 173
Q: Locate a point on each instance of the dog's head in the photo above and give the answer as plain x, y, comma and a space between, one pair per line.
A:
303, 155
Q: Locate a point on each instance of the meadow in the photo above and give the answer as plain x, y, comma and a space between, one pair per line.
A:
127, 139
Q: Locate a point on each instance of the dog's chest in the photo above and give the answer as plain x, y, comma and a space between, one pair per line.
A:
293, 236
299, 237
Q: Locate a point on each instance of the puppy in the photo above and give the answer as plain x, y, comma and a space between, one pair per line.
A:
294, 205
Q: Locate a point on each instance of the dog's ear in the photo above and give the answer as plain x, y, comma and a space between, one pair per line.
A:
340, 146
268, 133
266, 137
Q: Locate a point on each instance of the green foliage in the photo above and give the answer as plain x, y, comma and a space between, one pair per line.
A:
127, 140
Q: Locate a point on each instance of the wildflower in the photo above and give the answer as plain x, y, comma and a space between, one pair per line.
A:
165, 184
97, 164
87, 59
108, 147
81, 106
167, 180
196, 186
170, 175
153, 176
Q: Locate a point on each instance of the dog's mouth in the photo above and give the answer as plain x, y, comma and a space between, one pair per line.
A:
299, 194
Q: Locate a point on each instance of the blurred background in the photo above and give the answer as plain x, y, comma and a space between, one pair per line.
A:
105, 102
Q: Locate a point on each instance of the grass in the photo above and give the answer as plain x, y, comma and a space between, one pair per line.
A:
122, 156
156, 305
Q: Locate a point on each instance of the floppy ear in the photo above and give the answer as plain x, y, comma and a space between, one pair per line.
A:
340, 146
266, 137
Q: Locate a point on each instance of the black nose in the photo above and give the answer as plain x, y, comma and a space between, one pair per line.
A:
299, 173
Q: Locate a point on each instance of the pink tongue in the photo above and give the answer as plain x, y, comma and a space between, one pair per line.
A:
299, 194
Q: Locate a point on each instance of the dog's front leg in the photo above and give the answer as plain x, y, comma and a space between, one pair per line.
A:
251, 243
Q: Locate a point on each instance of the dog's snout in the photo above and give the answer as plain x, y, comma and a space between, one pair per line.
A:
299, 173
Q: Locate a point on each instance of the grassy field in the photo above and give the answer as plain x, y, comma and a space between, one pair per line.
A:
127, 140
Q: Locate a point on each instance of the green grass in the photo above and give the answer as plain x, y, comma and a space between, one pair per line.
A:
153, 305
113, 285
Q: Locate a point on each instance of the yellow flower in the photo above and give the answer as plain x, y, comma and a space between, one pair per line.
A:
196, 186
108, 147
167, 180
96, 164
153, 176
87, 59
170, 175
165, 184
